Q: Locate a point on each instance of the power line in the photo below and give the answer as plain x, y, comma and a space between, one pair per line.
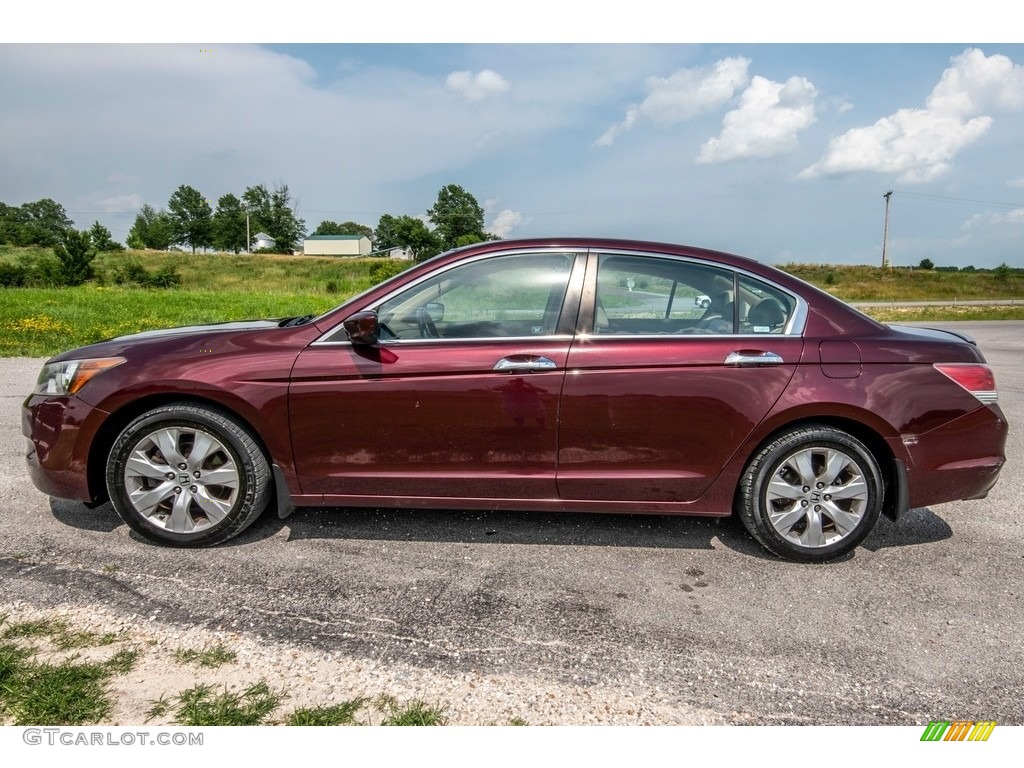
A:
959, 200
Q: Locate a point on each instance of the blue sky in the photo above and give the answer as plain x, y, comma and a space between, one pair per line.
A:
780, 151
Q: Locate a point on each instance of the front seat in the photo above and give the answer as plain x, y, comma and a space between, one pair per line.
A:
718, 318
767, 316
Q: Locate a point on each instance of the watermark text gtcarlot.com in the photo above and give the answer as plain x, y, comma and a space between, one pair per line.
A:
73, 737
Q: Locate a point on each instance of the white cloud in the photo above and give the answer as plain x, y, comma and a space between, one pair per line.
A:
919, 145
976, 84
100, 202
479, 86
915, 145
1018, 183
122, 179
504, 222
683, 95
766, 123
1014, 217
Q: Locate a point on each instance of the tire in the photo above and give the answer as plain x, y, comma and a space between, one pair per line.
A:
186, 475
812, 494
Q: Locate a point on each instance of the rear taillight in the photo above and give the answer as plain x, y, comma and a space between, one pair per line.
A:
976, 378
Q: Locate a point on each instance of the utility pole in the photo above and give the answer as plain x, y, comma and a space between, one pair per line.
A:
885, 231
248, 240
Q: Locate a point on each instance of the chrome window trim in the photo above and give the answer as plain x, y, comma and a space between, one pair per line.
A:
679, 336
474, 340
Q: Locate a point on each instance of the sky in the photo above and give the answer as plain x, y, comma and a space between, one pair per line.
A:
780, 150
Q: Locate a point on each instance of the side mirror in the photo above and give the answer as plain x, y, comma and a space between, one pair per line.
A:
436, 311
362, 327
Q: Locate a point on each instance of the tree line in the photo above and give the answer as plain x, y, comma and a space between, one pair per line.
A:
44, 223
189, 220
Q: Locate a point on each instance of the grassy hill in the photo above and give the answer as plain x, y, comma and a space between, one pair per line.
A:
860, 283
37, 320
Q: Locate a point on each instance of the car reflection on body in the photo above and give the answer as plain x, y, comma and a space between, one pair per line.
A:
568, 375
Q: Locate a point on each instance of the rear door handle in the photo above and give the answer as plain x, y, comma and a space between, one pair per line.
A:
749, 357
524, 363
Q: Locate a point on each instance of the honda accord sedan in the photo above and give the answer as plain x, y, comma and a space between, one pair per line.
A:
559, 375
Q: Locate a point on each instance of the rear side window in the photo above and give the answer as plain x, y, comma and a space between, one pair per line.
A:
763, 308
645, 295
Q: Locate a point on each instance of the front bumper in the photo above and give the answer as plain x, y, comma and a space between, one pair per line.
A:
60, 432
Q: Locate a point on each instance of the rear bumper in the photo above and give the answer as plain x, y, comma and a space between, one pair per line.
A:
959, 460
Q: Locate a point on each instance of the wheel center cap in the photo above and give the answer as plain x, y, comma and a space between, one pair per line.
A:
815, 497
183, 478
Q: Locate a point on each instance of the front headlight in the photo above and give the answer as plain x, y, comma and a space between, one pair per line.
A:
69, 376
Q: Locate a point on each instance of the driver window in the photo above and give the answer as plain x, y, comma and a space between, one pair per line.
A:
500, 297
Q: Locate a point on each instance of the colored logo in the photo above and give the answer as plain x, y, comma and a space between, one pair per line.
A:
958, 730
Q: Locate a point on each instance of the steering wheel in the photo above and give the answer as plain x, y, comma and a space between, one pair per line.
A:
714, 324
425, 323
385, 332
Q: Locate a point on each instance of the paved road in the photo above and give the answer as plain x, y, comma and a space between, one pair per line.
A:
923, 622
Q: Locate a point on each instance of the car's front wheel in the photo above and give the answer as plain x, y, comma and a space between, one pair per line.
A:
812, 494
187, 475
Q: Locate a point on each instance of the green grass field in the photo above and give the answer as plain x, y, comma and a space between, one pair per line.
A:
860, 283
39, 321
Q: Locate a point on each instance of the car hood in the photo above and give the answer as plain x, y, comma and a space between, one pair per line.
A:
238, 325
186, 335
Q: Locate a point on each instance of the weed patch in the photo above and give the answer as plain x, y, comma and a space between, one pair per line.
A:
210, 656
69, 693
338, 714
415, 712
202, 705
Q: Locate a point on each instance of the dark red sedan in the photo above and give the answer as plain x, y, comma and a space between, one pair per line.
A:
559, 375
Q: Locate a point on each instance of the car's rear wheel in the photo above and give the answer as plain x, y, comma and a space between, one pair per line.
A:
188, 476
812, 494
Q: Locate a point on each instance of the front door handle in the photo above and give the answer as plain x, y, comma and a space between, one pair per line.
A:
524, 364
751, 357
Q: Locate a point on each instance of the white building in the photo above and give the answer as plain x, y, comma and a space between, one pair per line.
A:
262, 240
337, 245
397, 252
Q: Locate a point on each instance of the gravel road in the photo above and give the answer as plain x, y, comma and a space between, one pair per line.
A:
553, 619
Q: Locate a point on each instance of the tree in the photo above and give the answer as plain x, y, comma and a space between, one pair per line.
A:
229, 224
286, 229
926, 264
102, 240
39, 223
256, 201
75, 253
457, 217
191, 217
409, 233
272, 213
345, 228
10, 223
152, 229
